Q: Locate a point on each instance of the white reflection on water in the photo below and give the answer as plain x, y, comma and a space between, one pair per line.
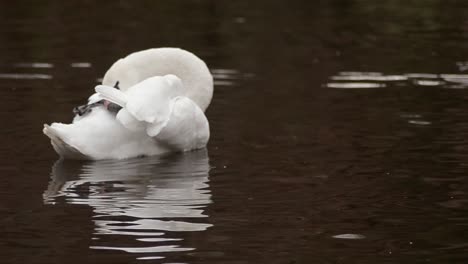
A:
146, 201
462, 65
228, 77
354, 85
428, 83
419, 122
222, 77
362, 77
349, 236
361, 80
80, 65
33, 65
25, 76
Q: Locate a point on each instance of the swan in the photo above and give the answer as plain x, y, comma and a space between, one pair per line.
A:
149, 103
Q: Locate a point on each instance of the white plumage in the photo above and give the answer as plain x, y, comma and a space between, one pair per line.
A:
163, 94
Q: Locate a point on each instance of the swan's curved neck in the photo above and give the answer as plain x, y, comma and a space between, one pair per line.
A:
138, 66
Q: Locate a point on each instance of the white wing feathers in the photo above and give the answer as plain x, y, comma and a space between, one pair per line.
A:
113, 95
187, 127
156, 105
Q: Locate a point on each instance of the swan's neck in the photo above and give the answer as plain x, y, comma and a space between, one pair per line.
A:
138, 66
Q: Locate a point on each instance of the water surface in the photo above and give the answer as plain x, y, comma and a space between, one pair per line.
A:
338, 135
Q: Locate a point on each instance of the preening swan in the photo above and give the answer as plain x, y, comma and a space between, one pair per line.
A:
150, 102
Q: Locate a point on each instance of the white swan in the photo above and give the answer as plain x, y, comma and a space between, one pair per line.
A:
163, 94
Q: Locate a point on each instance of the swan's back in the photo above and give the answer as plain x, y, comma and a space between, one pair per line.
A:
138, 66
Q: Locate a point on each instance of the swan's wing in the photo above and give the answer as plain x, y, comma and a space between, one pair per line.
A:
112, 94
186, 129
148, 102
61, 147
150, 99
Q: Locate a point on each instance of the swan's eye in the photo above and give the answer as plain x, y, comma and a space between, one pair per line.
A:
116, 85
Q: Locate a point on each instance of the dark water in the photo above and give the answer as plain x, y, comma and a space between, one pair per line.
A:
338, 134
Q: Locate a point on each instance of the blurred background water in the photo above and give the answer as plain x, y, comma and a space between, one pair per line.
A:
338, 134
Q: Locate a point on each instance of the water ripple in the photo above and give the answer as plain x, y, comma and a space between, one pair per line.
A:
228, 77
25, 76
355, 85
379, 78
142, 200
80, 65
363, 80
349, 236
38, 65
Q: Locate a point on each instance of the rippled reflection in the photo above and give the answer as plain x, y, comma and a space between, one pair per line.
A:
349, 236
354, 85
146, 201
38, 65
228, 77
25, 76
80, 65
361, 80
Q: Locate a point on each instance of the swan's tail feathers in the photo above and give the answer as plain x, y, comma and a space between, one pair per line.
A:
111, 94
61, 147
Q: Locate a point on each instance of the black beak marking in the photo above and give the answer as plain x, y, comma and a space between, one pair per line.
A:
84, 109
87, 108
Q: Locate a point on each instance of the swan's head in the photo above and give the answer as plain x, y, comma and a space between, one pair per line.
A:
94, 101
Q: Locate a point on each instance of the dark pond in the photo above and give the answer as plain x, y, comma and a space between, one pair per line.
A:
339, 134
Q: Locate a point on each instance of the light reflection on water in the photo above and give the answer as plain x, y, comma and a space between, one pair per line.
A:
38, 65
306, 173
228, 77
25, 76
221, 76
362, 80
147, 201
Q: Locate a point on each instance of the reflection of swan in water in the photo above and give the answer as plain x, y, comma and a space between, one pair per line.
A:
137, 198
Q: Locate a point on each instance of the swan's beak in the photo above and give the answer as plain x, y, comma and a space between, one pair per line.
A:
83, 109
